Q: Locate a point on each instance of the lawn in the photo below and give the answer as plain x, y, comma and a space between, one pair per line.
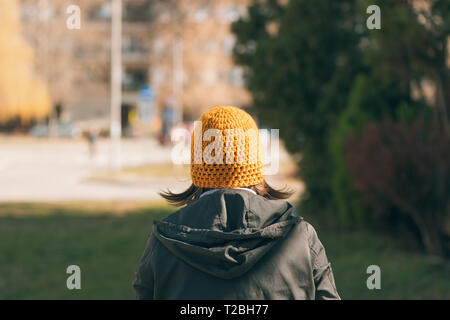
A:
39, 241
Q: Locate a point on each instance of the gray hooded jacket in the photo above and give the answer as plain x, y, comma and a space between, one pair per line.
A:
232, 244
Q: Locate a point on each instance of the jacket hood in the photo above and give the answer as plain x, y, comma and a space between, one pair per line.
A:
226, 232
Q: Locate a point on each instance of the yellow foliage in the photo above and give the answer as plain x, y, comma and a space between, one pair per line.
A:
21, 93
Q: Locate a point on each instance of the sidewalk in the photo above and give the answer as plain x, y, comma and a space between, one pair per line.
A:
53, 170
33, 169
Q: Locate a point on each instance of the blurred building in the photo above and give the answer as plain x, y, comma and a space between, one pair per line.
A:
182, 49
192, 55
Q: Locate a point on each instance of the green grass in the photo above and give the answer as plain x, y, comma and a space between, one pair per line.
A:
105, 243
404, 275
39, 241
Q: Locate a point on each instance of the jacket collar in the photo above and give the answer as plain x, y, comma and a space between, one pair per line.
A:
213, 190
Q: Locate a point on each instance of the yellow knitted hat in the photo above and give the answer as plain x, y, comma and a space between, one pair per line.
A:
226, 151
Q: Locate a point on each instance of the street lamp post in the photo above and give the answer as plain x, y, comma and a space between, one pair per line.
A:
177, 81
116, 82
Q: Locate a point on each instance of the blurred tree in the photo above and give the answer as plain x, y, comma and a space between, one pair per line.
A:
22, 96
414, 43
352, 119
301, 59
316, 72
402, 165
406, 166
395, 87
374, 96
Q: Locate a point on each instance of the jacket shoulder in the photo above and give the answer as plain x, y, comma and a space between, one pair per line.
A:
308, 236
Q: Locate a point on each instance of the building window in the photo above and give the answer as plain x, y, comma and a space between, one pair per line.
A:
133, 45
209, 77
236, 77
134, 78
230, 14
98, 73
201, 14
209, 45
137, 12
228, 44
101, 12
158, 46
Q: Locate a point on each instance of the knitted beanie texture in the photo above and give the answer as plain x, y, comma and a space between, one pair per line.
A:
226, 151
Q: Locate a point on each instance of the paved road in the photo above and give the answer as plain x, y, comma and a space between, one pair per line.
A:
33, 169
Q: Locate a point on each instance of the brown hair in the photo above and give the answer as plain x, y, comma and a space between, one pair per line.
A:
193, 193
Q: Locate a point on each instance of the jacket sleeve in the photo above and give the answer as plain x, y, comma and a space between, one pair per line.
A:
144, 278
322, 272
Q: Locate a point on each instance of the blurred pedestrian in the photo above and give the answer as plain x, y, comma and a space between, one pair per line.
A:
168, 121
236, 237
92, 137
